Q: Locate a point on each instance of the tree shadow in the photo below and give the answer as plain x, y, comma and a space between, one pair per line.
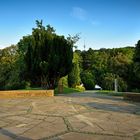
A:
131, 108
115, 106
92, 95
12, 135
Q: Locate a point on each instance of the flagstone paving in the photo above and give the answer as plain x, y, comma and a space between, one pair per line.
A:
81, 116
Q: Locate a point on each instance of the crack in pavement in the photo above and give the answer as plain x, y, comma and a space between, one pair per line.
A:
55, 136
68, 124
104, 134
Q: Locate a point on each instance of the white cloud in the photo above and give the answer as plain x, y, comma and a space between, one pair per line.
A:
83, 15
79, 13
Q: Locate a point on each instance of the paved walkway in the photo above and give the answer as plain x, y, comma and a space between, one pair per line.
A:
85, 116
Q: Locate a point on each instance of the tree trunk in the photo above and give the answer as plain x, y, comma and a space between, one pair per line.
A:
44, 83
47, 83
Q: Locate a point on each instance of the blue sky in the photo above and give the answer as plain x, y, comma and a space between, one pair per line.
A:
102, 23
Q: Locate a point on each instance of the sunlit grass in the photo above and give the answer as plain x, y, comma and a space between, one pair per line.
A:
109, 92
67, 90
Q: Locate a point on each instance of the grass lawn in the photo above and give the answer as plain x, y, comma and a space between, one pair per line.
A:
31, 88
111, 93
67, 90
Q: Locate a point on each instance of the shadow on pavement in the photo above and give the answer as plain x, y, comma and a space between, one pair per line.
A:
12, 135
92, 95
119, 105
131, 108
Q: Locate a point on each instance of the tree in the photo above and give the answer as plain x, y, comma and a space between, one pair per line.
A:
108, 82
105, 63
74, 75
119, 64
9, 69
73, 39
47, 56
136, 66
137, 53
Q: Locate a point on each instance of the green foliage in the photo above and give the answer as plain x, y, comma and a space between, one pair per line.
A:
122, 85
65, 81
27, 85
119, 65
73, 39
74, 75
80, 88
14, 81
47, 56
137, 53
10, 77
89, 84
88, 80
136, 67
108, 82
110, 93
106, 64
42, 58
136, 90
67, 90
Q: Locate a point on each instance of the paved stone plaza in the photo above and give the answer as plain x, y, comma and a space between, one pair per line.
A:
81, 116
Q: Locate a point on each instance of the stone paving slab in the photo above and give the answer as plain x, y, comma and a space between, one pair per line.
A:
82, 116
4, 137
81, 136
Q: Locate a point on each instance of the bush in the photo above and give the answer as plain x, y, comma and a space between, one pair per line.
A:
15, 85
80, 88
27, 85
136, 90
89, 84
88, 80
65, 81
14, 82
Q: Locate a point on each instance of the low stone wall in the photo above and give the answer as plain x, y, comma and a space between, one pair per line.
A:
132, 97
26, 93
